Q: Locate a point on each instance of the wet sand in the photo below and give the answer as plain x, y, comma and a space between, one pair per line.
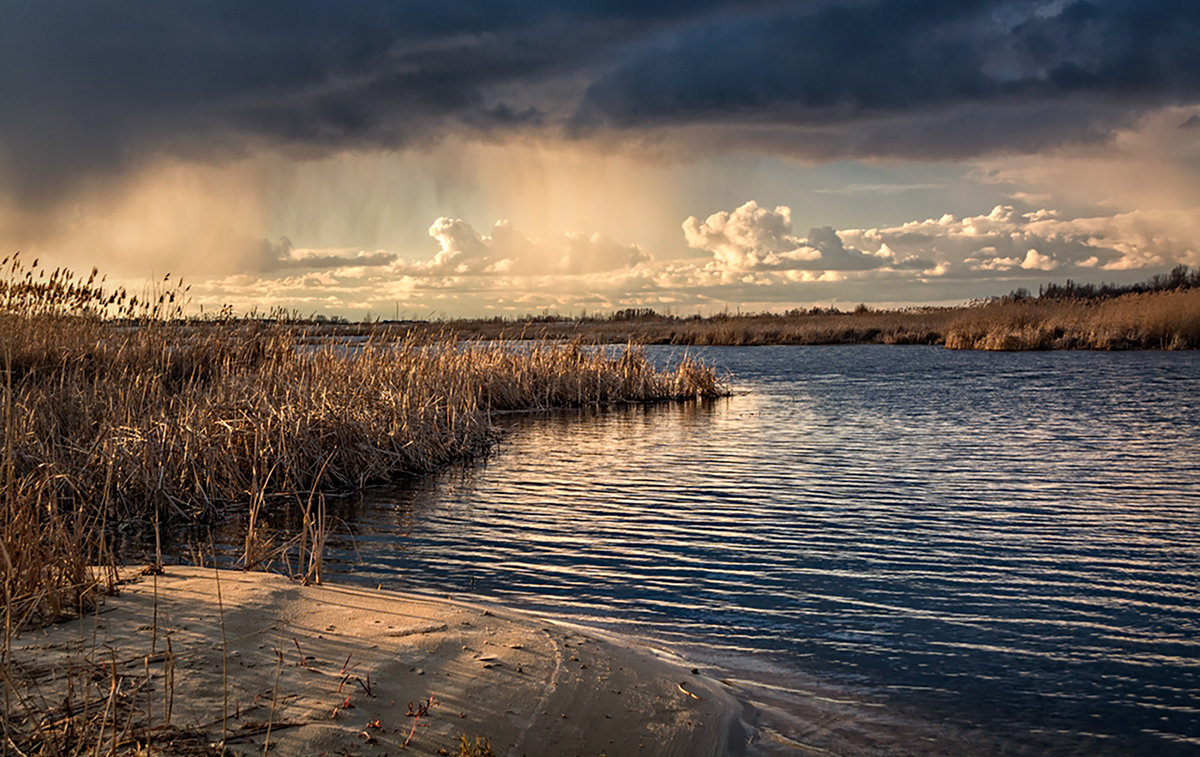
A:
251, 658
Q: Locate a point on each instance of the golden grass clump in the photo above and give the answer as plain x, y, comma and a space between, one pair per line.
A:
118, 408
1149, 320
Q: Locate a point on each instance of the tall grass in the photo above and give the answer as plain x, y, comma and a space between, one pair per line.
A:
1151, 320
1163, 319
117, 409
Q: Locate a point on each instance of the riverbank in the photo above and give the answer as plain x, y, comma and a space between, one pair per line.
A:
182, 662
1154, 320
120, 413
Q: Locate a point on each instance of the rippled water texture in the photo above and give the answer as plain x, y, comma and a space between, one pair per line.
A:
993, 550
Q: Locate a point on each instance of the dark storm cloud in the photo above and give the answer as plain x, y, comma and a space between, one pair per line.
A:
93, 85
832, 62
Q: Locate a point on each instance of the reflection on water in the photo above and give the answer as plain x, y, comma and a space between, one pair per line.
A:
1007, 545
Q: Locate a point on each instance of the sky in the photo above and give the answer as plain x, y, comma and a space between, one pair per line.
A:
383, 158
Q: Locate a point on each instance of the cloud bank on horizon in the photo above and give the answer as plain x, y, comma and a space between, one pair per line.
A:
98, 92
752, 257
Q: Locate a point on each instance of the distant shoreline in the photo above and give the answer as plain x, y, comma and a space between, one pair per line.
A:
1155, 320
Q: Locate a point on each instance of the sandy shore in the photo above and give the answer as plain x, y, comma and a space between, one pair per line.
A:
330, 669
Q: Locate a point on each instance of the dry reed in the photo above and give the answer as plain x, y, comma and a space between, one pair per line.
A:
1168, 319
117, 409
1151, 320
864, 326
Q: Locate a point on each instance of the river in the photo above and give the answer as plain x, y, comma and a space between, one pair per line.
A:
883, 549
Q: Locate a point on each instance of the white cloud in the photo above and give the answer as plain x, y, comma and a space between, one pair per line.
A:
1036, 240
507, 251
753, 238
1036, 261
747, 238
461, 248
755, 261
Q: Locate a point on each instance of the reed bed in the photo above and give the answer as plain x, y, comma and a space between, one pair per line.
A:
923, 325
1152, 320
117, 409
1156, 319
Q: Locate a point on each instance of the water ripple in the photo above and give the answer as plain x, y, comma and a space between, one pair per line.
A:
1008, 544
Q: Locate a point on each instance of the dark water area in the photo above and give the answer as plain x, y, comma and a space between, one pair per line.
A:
885, 549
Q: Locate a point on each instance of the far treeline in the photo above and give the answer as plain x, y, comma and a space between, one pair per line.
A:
1160, 313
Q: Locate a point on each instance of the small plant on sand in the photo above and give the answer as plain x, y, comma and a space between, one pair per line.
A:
477, 748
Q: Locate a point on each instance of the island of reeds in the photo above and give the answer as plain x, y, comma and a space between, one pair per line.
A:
1161, 313
118, 409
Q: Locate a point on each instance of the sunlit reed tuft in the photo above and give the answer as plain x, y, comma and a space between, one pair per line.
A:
119, 409
1152, 320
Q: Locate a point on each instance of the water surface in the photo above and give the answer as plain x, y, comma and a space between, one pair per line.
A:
883, 547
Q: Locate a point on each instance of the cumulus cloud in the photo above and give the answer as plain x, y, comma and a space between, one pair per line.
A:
1038, 240
752, 238
507, 251
746, 238
1036, 261
753, 260
756, 258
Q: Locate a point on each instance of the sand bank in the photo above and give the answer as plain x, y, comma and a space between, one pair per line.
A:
330, 669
